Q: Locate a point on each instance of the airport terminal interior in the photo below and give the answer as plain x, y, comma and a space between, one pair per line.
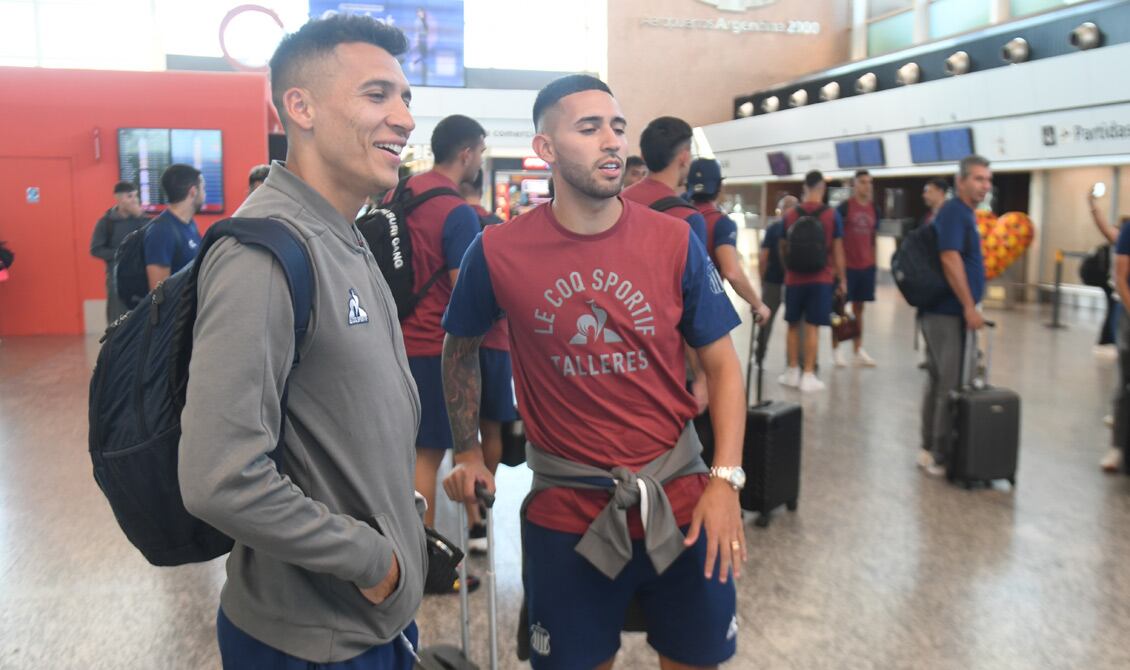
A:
998, 545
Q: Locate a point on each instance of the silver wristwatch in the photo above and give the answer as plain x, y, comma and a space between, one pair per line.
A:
734, 476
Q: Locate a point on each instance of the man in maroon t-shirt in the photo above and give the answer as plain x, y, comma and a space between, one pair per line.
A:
860, 217
808, 296
441, 229
666, 148
602, 294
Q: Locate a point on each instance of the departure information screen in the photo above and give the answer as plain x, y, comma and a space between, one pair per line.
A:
145, 153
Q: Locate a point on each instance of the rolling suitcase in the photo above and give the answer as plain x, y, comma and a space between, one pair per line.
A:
986, 425
770, 449
449, 657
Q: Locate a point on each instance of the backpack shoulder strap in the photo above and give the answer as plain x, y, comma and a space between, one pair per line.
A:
415, 201
669, 202
288, 249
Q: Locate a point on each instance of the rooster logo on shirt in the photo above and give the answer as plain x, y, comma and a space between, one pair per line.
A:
590, 327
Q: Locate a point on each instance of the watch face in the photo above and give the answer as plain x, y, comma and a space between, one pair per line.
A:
737, 478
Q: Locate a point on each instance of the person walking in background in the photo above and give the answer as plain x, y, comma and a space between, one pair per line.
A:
120, 220
635, 171
860, 216
173, 238
772, 270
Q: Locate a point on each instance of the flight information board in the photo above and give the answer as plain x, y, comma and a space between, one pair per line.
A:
145, 153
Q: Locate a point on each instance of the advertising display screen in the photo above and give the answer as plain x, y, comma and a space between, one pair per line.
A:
434, 29
955, 144
144, 153
779, 164
871, 152
924, 147
847, 155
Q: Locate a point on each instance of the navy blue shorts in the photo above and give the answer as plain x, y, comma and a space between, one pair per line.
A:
810, 302
498, 386
861, 285
240, 651
435, 430
576, 613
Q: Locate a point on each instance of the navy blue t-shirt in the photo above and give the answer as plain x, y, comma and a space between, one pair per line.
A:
957, 231
774, 270
170, 242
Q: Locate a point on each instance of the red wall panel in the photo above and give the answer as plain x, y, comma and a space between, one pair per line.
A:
53, 114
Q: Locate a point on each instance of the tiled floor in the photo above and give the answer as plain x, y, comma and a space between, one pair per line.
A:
880, 567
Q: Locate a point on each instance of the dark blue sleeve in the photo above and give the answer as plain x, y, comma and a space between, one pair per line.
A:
459, 229
160, 245
1122, 248
772, 236
725, 232
473, 308
707, 312
838, 229
951, 232
698, 226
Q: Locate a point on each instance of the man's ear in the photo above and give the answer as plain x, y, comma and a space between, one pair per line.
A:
544, 149
298, 106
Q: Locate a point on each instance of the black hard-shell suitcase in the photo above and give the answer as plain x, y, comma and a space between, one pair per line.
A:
770, 449
986, 428
450, 657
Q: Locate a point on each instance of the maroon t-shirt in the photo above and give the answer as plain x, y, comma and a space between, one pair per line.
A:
649, 190
859, 235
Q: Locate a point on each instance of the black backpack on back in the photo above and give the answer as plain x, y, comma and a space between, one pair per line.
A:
131, 283
385, 229
138, 389
670, 202
1095, 268
917, 268
807, 249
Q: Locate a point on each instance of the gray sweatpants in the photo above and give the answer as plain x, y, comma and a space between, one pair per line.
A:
1119, 436
945, 348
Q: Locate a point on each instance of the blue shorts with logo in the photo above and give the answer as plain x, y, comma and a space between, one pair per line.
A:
861, 285
240, 651
810, 302
435, 430
576, 613
498, 386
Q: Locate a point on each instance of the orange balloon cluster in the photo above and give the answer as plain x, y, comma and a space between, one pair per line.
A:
1004, 239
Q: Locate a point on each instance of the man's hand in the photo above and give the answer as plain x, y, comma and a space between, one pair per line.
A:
761, 313
721, 515
469, 469
973, 319
377, 594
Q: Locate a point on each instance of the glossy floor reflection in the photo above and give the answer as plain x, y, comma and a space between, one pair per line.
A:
880, 567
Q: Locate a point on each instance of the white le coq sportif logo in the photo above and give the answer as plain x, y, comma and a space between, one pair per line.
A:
737, 5
357, 314
590, 327
539, 639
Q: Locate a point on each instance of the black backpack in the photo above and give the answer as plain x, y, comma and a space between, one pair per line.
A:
131, 283
1095, 268
917, 268
137, 393
385, 229
670, 202
807, 248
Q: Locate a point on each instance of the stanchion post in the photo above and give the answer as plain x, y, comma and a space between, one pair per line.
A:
1056, 291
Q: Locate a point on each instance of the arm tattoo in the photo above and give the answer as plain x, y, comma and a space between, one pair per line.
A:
462, 388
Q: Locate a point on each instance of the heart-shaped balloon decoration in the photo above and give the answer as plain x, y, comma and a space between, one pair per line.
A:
1004, 239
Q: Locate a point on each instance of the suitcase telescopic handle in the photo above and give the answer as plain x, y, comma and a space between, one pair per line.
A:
970, 355
484, 496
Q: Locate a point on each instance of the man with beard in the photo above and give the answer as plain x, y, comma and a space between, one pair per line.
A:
173, 238
602, 293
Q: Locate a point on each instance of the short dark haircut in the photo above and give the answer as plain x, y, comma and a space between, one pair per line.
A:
258, 174
177, 180
862, 172
938, 183
634, 161
562, 87
662, 139
318, 38
970, 161
125, 187
813, 179
454, 134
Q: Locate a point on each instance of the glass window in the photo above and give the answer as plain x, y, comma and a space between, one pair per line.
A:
890, 34
1022, 7
877, 8
949, 17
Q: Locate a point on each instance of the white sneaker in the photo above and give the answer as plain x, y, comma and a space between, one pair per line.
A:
1112, 462
791, 378
1108, 421
928, 465
863, 360
840, 356
809, 383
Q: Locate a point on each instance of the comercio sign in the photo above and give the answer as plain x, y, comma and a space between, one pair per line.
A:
735, 26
